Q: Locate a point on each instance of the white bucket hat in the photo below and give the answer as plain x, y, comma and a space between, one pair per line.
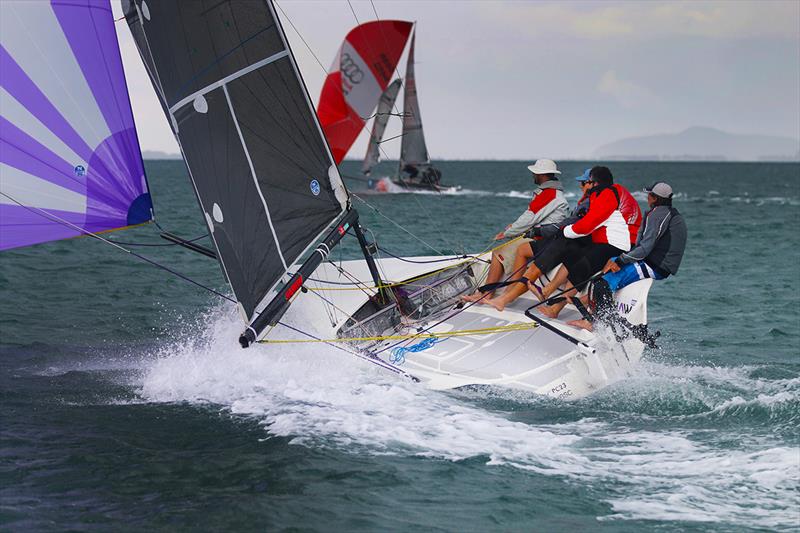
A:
544, 166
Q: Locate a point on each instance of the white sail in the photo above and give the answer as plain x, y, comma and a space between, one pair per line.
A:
385, 106
413, 150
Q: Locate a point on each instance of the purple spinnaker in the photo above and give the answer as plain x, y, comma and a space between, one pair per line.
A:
41, 180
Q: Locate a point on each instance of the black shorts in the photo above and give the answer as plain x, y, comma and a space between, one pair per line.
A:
591, 259
549, 253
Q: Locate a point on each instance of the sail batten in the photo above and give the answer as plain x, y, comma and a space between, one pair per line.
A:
255, 179
262, 172
227, 79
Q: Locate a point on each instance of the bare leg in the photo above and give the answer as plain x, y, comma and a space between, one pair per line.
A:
552, 311
558, 280
513, 291
495, 273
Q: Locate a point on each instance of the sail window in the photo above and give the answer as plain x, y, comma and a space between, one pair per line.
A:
201, 104
217, 211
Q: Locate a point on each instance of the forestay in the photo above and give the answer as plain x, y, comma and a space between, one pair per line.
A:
361, 71
385, 106
69, 157
263, 174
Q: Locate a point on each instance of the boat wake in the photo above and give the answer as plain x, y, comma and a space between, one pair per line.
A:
643, 441
386, 186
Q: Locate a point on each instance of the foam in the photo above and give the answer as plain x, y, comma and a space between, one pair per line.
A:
321, 397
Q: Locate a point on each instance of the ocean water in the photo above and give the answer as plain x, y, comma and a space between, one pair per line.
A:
126, 403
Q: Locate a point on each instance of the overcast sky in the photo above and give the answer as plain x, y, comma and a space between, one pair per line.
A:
522, 80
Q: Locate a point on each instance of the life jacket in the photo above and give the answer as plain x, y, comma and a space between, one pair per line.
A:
630, 210
604, 220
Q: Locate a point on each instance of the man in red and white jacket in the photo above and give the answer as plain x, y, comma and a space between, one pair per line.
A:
610, 236
588, 243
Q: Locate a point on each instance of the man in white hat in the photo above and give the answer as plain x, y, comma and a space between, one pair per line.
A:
548, 206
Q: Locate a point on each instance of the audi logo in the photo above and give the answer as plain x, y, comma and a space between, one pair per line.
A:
350, 70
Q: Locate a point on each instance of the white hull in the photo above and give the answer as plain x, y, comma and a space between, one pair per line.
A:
536, 360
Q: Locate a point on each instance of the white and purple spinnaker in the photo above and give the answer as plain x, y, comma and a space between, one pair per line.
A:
70, 162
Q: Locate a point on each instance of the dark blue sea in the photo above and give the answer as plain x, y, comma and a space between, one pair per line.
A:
127, 405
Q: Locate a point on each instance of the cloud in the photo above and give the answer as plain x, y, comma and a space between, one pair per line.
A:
628, 94
646, 20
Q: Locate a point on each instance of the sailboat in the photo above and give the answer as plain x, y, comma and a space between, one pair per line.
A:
415, 170
269, 191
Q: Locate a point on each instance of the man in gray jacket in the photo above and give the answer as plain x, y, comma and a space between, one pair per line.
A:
548, 206
657, 254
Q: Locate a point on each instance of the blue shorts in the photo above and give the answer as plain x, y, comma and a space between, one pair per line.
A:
630, 273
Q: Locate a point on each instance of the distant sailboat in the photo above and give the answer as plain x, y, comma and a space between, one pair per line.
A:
269, 191
415, 169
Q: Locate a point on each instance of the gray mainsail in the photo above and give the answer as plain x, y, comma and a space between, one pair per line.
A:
413, 150
261, 168
385, 105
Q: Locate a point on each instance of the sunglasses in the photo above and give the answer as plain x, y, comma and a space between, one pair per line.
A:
585, 182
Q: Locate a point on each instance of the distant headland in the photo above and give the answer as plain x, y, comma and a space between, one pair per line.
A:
702, 144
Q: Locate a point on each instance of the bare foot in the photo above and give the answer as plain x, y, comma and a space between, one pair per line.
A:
548, 311
581, 324
497, 303
474, 297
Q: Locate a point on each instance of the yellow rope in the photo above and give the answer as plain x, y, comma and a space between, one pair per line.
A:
412, 280
456, 333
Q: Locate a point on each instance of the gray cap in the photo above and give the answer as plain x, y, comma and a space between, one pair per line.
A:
661, 189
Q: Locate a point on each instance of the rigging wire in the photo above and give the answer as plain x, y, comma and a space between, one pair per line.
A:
66, 223
155, 245
377, 211
300, 35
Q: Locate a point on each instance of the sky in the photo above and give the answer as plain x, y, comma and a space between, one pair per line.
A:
525, 79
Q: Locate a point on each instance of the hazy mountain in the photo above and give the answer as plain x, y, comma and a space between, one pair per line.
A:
703, 144
155, 154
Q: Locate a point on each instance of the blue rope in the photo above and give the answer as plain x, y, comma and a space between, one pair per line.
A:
398, 356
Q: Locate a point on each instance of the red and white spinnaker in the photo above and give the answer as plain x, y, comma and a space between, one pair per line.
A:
361, 71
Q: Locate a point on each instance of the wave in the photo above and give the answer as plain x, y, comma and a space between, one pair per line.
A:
387, 187
714, 197
651, 461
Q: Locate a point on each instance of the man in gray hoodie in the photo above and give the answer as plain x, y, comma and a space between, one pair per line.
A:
657, 254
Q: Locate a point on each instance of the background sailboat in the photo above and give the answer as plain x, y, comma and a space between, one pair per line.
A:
415, 169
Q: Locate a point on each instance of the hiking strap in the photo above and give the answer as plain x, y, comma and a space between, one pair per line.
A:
582, 309
500, 284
